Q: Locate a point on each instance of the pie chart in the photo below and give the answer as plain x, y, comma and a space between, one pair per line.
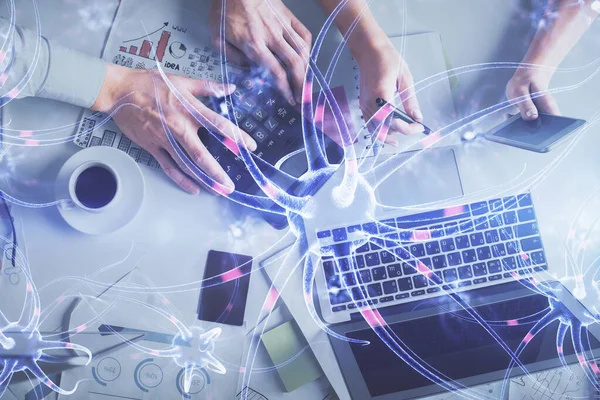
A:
177, 50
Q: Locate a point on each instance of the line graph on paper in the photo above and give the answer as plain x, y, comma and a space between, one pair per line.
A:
555, 384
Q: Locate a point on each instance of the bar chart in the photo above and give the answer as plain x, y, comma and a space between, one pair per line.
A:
147, 50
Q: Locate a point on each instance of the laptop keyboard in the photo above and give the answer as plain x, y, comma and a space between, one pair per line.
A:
467, 246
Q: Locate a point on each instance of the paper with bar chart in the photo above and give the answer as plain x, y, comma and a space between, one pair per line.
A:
173, 34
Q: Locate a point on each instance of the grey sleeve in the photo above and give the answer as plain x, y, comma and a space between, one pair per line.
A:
31, 65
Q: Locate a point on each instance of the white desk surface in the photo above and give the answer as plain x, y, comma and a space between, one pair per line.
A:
173, 233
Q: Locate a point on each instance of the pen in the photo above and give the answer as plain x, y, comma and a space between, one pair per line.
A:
402, 115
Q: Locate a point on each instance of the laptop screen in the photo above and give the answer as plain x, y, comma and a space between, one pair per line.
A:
454, 345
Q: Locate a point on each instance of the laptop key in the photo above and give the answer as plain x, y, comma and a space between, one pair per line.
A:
439, 262
334, 282
372, 259
492, 236
374, 290
342, 249
481, 223
323, 234
386, 257
417, 293
386, 299
506, 233
350, 279
524, 200
364, 276
509, 263
454, 259
495, 277
354, 228
432, 248
494, 266
483, 253
402, 296
329, 268
462, 242
358, 293
479, 280
417, 250
526, 229
495, 221
510, 217
479, 208
469, 256
496, 205
433, 289
340, 235
370, 228
476, 239
450, 275
378, 273
465, 272
419, 281
526, 214
540, 268
405, 284
402, 253
339, 297
498, 250
338, 308
343, 264
538, 257
466, 225
389, 287
532, 243
464, 283
363, 249
394, 270
479, 269
510, 202
359, 261
447, 244
512, 247
451, 228
408, 268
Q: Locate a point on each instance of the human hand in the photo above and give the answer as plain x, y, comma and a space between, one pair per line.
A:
383, 74
526, 82
133, 93
267, 33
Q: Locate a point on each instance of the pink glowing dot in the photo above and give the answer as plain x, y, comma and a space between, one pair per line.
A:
420, 235
581, 359
430, 140
232, 146
535, 282
221, 189
512, 322
269, 190
36, 312
524, 256
154, 353
48, 382
514, 275
232, 274
135, 356
271, 300
320, 113
559, 349
165, 300
32, 142
3, 78
2, 55
173, 320
452, 211
60, 299
69, 345
28, 287
81, 328
351, 166
13, 93
242, 370
595, 368
527, 338
229, 307
308, 298
424, 270
372, 317
307, 94
26, 133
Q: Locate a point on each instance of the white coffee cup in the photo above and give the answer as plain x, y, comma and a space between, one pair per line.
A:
93, 186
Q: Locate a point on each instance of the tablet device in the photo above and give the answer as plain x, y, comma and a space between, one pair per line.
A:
539, 135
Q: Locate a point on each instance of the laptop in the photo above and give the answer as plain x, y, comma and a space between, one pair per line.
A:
480, 249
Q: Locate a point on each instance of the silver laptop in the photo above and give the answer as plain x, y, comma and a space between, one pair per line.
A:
425, 217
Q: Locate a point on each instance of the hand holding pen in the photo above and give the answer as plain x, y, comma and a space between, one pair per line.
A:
401, 115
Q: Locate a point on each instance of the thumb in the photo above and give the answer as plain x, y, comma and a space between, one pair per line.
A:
206, 87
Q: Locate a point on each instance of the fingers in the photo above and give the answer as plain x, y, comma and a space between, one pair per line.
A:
526, 106
301, 30
406, 87
224, 126
546, 103
264, 57
295, 63
405, 128
206, 87
174, 172
235, 56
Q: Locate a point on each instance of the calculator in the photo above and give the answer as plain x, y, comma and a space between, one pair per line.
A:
276, 126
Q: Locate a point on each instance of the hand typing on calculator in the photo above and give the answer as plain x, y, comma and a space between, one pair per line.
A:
134, 96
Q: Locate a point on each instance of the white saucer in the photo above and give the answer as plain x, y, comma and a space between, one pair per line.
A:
128, 204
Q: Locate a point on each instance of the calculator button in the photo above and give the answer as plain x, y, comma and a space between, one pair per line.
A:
271, 123
259, 114
248, 83
260, 135
249, 125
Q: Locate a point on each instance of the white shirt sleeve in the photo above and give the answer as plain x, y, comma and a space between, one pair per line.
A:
31, 65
